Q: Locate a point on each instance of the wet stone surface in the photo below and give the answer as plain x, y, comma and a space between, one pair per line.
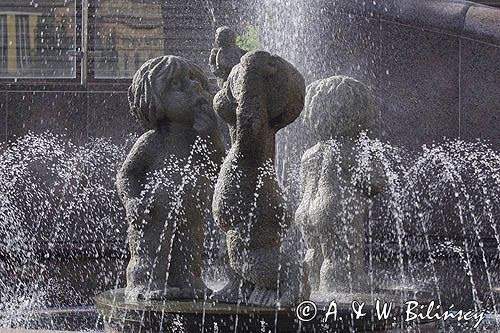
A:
120, 315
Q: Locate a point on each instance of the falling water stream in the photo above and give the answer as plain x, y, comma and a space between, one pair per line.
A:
49, 184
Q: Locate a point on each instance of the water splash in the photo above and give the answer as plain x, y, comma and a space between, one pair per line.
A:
443, 198
450, 189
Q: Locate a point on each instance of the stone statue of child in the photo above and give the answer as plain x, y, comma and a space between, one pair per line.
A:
263, 94
337, 196
170, 98
225, 55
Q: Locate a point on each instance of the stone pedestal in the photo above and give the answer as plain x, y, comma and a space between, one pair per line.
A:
119, 315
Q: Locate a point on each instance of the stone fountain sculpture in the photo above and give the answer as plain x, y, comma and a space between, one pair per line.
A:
334, 208
263, 94
225, 55
170, 98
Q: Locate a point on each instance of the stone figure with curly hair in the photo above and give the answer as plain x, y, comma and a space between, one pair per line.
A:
225, 55
164, 182
340, 180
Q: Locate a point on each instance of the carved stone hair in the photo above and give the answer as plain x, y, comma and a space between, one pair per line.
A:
339, 106
144, 92
226, 35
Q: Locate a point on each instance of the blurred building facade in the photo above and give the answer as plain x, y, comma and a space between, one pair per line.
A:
40, 38
36, 38
126, 34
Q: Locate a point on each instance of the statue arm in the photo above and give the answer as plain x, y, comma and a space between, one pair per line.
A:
130, 179
214, 64
311, 171
207, 127
219, 150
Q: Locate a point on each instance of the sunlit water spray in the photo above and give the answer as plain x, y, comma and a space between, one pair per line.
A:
439, 208
53, 194
47, 184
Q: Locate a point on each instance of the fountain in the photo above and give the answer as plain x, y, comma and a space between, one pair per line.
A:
168, 96
374, 220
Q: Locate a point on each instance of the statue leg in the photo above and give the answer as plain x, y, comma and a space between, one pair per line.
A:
313, 261
185, 272
261, 276
333, 268
343, 265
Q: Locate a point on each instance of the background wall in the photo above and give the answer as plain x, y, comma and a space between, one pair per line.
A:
433, 67
431, 64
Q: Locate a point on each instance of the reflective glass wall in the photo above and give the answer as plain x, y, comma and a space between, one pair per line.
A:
126, 34
37, 39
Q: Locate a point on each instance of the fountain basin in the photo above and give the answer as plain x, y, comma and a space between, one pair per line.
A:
121, 315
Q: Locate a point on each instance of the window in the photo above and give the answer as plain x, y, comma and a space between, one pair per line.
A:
37, 39
126, 34
3, 43
23, 47
99, 40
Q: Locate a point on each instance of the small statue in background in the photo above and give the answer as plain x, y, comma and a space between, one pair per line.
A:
339, 183
225, 55
263, 94
164, 183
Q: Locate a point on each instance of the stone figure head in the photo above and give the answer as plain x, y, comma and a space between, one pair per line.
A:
166, 90
339, 106
224, 37
264, 87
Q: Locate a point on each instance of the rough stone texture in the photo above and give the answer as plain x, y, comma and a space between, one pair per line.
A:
327, 103
335, 106
165, 204
480, 102
334, 208
57, 112
338, 106
263, 94
225, 55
